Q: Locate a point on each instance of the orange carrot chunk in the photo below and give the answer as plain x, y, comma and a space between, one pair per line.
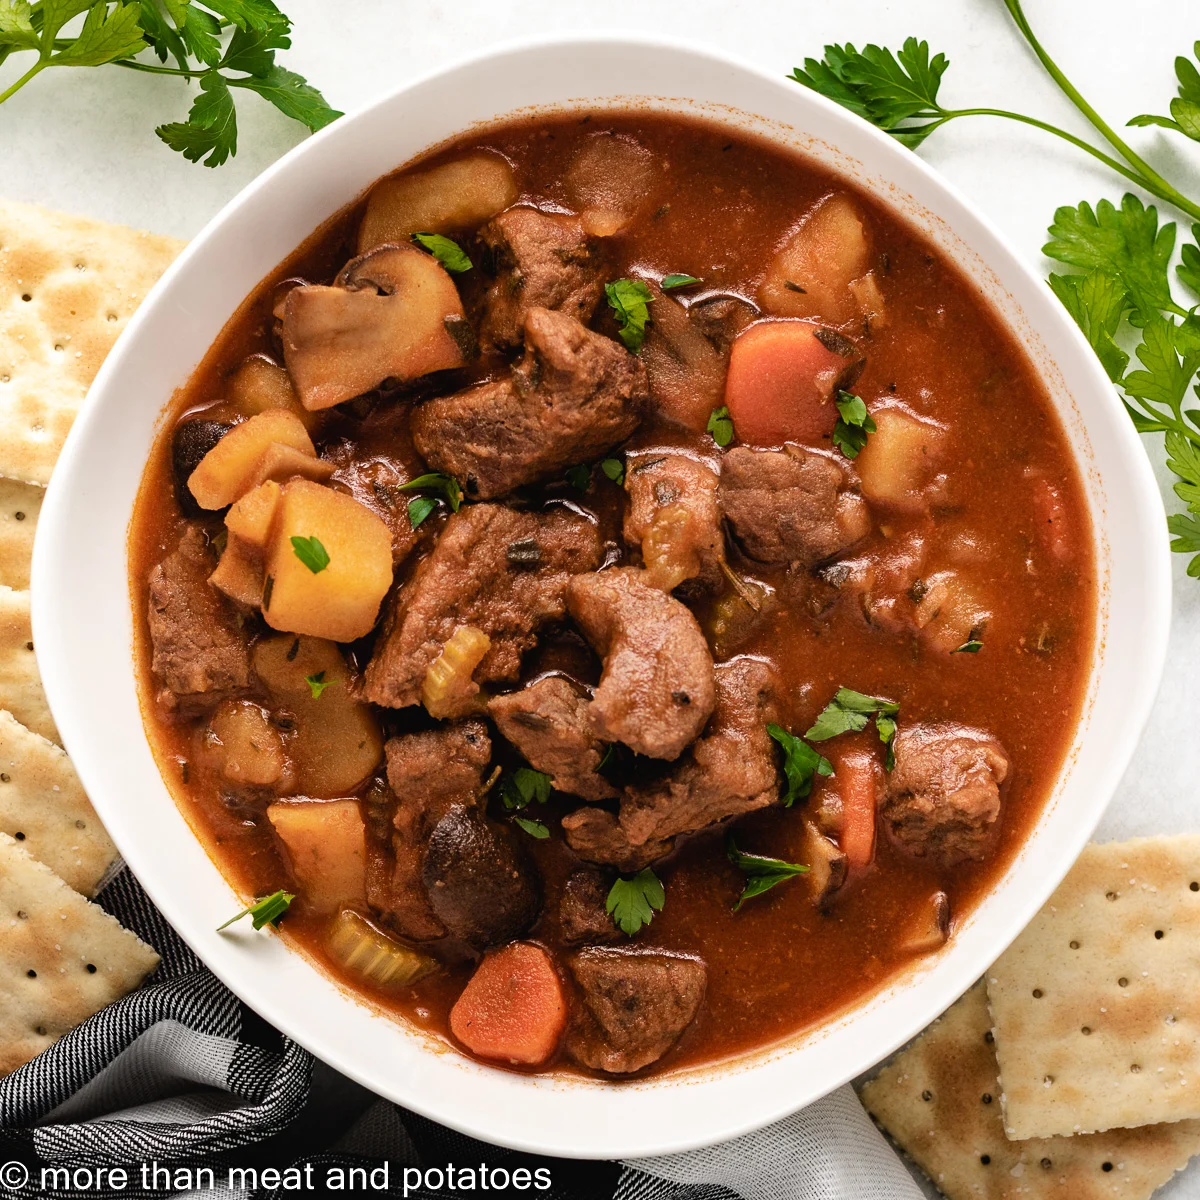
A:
782, 379
855, 773
513, 1008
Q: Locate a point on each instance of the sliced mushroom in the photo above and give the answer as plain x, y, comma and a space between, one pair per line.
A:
393, 313
827, 865
930, 928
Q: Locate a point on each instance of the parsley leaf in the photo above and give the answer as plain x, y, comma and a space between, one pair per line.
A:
853, 424
447, 251
579, 476
762, 873
106, 36
1185, 108
800, 763
630, 300
267, 910
972, 645
614, 469
419, 507
533, 828
311, 553
317, 684
292, 94
435, 481
672, 281
525, 786
633, 902
210, 131
1098, 302
720, 425
849, 712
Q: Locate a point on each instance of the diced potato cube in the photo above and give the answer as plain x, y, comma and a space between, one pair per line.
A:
239, 574
899, 458
869, 298
950, 612
226, 471
610, 180
260, 384
811, 275
341, 601
247, 747
281, 463
334, 743
326, 844
455, 196
251, 517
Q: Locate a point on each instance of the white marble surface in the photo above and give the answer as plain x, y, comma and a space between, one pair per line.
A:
83, 140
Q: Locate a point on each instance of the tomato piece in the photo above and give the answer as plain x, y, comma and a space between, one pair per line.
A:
782, 379
513, 1008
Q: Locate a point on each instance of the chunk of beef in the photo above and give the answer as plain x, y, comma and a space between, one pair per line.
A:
480, 881
582, 912
542, 260
502, 571
375, 483
548, 723
791, 505
657, 690
574, 395
429, 773
730, 771
943, 796
200, 651
673, 516
636, 1005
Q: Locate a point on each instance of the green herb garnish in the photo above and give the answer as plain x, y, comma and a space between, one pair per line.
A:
317, 684
579, 476
222, 44
853, 424
435, 481
614, 469
971, 646
800, 763
630, 300
720, 425
849, 711
419, 507
311, 553
633, 902
673, 280
762, 873
524, 786
533, 828
267, 910
447, 251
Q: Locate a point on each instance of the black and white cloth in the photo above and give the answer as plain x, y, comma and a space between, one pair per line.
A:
179, 1090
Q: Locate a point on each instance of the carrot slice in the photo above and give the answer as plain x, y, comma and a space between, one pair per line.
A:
781, 382
854, 771
513, 1007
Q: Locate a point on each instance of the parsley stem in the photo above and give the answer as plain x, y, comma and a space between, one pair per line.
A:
154, 69
20, 83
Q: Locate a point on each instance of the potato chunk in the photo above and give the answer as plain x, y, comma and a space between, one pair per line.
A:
252, 516
811, 275
340, 601
611, 180
334, 742
454, 196
248, 749
260, 384
326, 845
900, 458
226, 472
239, 574
949, 613
280, 463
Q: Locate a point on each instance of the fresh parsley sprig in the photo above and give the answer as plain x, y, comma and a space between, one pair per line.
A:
633, 902
849, 711
446, 250
630, 301
523, 787
311, 552
762, 873
267, 910
419, 507
221, 44
800, 763
853, 424
720, 426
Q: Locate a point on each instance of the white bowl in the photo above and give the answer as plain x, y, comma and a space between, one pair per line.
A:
83, 624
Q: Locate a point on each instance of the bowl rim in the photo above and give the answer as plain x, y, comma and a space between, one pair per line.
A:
244, 973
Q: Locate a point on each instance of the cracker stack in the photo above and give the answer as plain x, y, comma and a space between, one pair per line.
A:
67, 288
1074, 1070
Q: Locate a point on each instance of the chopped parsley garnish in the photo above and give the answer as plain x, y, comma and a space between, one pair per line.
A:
630, 301
614, 468
762, 873
419, 507
800, 763
849, 711
435, 481
267, 910
534, 828
447, 251
853, 424
972, 645
720, 425
633, 902
311, 553
579, 476
524, 786
675, 280
317, 684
